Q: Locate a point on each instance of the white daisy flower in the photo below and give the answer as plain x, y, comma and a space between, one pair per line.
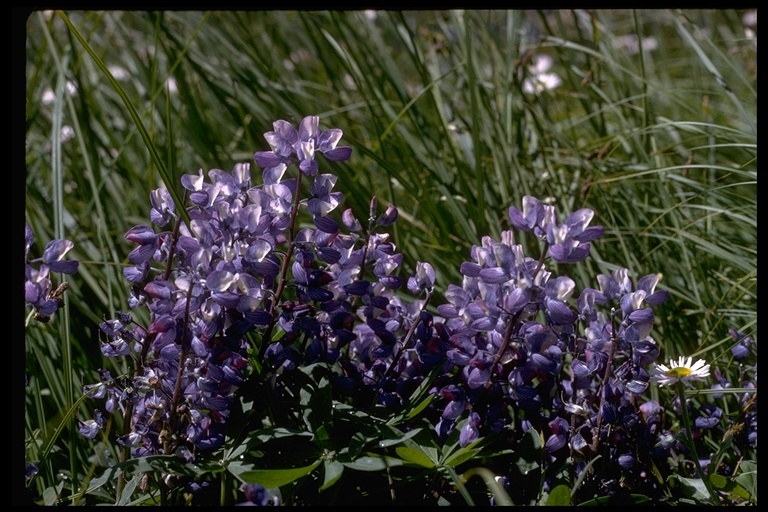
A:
682, 371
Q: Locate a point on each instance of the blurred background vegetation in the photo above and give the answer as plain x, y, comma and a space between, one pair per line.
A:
649, 117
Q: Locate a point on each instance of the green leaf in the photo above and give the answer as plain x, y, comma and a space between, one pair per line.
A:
456, 480
236, 452
415, 404
332, 470
272, 478
322, 435
162, 463
373, 463
266, 435
50, 494
559, 496
237, 468
415, 455
693, 488
747, 478
462, 455
391, 442
357, 443
729, 485
130, 486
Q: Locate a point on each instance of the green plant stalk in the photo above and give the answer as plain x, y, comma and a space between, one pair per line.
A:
692, 445
57, 178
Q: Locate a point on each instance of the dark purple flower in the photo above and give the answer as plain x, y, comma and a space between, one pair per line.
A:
54, 252
255, 495
743, 343
89, 428
31, 470
471, 431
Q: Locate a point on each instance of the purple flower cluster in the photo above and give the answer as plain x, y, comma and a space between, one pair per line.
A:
211, 282
273, 272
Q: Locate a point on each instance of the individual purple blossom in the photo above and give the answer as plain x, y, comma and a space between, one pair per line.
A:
743, 343
163, 207
559, 438
627, 461
388, 217
54, 254
424, 279
471, 431
709, 418
30, 471
90, 428
147, 241
531, 216
255, 495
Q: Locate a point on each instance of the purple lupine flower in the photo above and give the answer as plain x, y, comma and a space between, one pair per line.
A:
30, 471
471, 431
743, 343
38, 287
559, 437
90, 428
424, 279
255, 495
163, 207
53, 254
531, 216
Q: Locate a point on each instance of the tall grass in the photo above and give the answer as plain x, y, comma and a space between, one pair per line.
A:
661, 142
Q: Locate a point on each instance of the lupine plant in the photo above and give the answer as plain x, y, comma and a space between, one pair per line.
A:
284, 360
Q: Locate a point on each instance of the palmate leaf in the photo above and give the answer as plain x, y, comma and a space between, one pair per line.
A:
747, 478
161, 463
391, 442
559, 496
463, 454
693, 488
425, 456
332, 471
728, 485
273, 478
373, 462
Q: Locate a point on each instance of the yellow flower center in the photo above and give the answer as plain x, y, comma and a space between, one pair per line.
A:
679, 372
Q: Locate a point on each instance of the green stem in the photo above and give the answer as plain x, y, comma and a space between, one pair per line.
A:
692, 444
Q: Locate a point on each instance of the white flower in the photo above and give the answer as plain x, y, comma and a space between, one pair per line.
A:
682, 371
541, 82
541, 79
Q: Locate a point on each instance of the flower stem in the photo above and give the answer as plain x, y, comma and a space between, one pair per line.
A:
692, 445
